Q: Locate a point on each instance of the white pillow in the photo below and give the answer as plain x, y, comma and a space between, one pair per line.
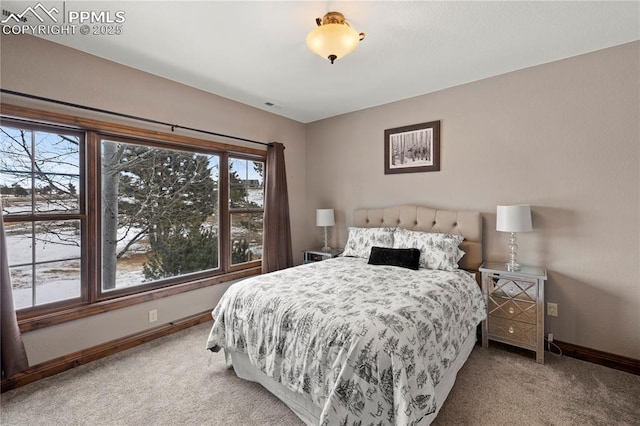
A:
437, 251
361, 240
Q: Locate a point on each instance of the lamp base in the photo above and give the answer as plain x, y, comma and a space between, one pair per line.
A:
512, 266
326, 244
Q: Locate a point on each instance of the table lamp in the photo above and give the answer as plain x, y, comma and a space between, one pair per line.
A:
513, 219
325, 217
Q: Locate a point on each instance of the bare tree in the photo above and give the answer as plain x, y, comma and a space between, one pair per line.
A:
40, 168
151, 197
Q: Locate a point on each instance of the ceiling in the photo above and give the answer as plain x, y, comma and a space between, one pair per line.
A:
255, 52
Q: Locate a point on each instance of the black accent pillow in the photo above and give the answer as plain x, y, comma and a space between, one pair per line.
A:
402, 257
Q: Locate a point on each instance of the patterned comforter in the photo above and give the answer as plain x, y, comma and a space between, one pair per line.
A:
368, 344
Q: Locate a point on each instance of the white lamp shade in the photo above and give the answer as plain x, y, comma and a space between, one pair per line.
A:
325, 217
333, 39
514, 218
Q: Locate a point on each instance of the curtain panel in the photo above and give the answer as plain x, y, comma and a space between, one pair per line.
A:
14, 356
277, 252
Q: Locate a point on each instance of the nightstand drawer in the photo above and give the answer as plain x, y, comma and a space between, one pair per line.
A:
514, 289
512, 309
520, 333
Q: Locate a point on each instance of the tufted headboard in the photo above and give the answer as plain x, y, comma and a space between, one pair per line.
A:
418, 218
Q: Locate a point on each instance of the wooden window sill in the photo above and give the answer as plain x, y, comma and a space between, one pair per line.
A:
87, 310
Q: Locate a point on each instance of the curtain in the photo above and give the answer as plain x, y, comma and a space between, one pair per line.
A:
276, 251
14, 357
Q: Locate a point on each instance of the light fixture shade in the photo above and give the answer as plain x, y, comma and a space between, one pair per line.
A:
333, 39
325, 217
514, 218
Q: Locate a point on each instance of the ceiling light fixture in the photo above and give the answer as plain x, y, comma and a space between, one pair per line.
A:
333, 38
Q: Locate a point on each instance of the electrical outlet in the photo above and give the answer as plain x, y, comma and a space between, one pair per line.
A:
550, 338
552, 309
153, 315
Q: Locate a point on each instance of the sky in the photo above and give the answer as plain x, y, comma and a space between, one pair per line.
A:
54, 155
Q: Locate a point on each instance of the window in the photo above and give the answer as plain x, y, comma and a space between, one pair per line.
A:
160, 214
91, 218
246, 207
42, 203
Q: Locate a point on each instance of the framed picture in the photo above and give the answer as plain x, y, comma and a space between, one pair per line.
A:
412, 149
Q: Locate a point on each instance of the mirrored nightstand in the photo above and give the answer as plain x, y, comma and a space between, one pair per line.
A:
515, 306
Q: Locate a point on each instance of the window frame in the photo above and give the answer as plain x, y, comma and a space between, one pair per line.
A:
236, 210
35, 217
94, 300
167, 282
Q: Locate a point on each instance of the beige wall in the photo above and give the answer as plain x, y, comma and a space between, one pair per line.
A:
42, 68
563, 137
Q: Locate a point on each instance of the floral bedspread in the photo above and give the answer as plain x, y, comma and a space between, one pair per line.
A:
366, 343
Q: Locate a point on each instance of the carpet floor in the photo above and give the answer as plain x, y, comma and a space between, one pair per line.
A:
175, 381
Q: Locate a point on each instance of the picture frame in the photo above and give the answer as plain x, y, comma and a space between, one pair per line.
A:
412, 149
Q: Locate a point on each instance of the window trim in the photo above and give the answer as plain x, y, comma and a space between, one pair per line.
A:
50, 317
236, 210
102, 295
38, 217
93, 302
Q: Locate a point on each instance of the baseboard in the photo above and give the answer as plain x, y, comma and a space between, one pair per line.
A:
67, 362
618, 362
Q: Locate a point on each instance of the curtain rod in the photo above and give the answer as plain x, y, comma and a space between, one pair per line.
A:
133, 117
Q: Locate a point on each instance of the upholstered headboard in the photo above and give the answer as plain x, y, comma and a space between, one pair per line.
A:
418, 218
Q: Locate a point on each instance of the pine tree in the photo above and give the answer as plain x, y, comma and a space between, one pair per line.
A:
240, 252
166, 196
182, 251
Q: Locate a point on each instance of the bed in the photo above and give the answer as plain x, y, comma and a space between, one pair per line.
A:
346, 342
